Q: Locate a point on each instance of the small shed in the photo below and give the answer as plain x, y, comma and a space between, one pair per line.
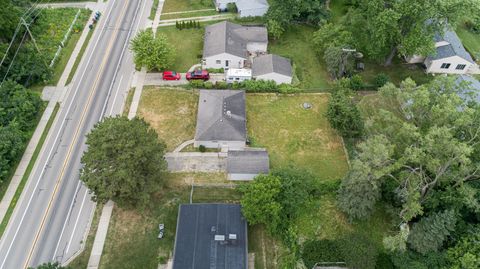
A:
247, 164
273, 67
238, 75
252, 8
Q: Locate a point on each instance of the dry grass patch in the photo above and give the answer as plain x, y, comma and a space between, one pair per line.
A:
171, 112
295, 136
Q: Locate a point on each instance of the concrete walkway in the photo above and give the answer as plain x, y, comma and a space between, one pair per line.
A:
171, 22
100, 236
140, 78
56, 95
184, 145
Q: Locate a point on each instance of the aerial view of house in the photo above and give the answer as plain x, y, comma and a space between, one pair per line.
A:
240, 134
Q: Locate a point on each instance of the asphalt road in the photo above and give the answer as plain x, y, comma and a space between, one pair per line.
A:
53, 214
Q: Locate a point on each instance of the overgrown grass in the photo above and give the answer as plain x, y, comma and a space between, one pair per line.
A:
79, 57
28, 171
184, 5
188, 44
470, 40
296, 44
295, 136
171, 112
397, 72
267, 249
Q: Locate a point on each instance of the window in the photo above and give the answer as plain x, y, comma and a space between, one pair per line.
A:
226, 63
219, 61
461, 66
445, 66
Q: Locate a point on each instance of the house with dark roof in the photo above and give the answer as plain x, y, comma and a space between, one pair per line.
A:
210, 236
245, 8
450, 56
272, 67
247, 164
229, 45
221, 119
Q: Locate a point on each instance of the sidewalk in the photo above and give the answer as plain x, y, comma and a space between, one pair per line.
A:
56, 96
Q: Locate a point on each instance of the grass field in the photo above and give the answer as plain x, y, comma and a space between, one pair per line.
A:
188, 45
295, 136
296, 44
189, 14
470, 40
171, 112
184, 5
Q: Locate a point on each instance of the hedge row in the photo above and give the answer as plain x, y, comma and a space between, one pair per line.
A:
248, 85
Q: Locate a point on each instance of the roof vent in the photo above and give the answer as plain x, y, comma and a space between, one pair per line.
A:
232, 236
219, 237
229, 113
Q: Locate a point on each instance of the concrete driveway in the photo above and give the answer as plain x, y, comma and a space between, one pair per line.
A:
155, 79
196, 162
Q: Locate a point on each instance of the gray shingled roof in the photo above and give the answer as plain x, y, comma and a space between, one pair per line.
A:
197, 226
251, 4
221, 116
248, 162
472, 91
227, 37
271, 63
454, 48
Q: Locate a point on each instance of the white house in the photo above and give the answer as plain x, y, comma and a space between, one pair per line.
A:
228, 45
272, 67
450, 57
245, 8
238, 75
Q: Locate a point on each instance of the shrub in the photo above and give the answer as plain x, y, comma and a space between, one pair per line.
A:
359, 251
380, 80
202, 148
320, 251
356, 83
214, 70
260, 85
208, 85
287, 88
196, 84
221, 85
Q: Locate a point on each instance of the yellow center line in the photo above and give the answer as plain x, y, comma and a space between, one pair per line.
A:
77, 131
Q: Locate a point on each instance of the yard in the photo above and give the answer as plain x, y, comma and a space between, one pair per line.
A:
185, 5
295, 136
171, 112
296, 44
470, 40
188, 44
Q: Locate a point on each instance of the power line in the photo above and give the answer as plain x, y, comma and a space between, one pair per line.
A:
14, 56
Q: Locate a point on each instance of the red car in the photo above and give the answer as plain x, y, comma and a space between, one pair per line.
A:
170, 75
198, 74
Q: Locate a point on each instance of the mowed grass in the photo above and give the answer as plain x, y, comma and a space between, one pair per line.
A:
295, 136
171, 112
296, 44
184, 5
188, 44
397, 72
189, 14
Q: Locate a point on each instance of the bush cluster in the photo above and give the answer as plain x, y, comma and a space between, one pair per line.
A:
180, 25
248, 85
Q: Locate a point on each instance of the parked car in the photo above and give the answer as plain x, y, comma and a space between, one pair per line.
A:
170, 75
198, 74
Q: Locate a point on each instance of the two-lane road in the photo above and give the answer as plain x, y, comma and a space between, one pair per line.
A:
55, 209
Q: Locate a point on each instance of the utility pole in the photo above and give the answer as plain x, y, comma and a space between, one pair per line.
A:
30, 33
345, 54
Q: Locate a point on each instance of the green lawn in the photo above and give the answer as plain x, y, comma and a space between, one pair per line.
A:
189, 14
184, 5
171, 112
470, 40
397, 72
295, 136
296, 44
188, 44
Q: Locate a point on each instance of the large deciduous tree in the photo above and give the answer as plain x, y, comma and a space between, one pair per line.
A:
343, 114
153, 52
426, 148
124, 161
384, 28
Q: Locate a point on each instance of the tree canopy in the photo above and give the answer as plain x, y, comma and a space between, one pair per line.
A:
124, 161
421, 155
153, 52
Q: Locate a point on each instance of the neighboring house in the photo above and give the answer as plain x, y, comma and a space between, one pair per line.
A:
272, 67
245, 8
228, 45
247, 164
450, 56
210, 236
472, 91
221, 119
237, 75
